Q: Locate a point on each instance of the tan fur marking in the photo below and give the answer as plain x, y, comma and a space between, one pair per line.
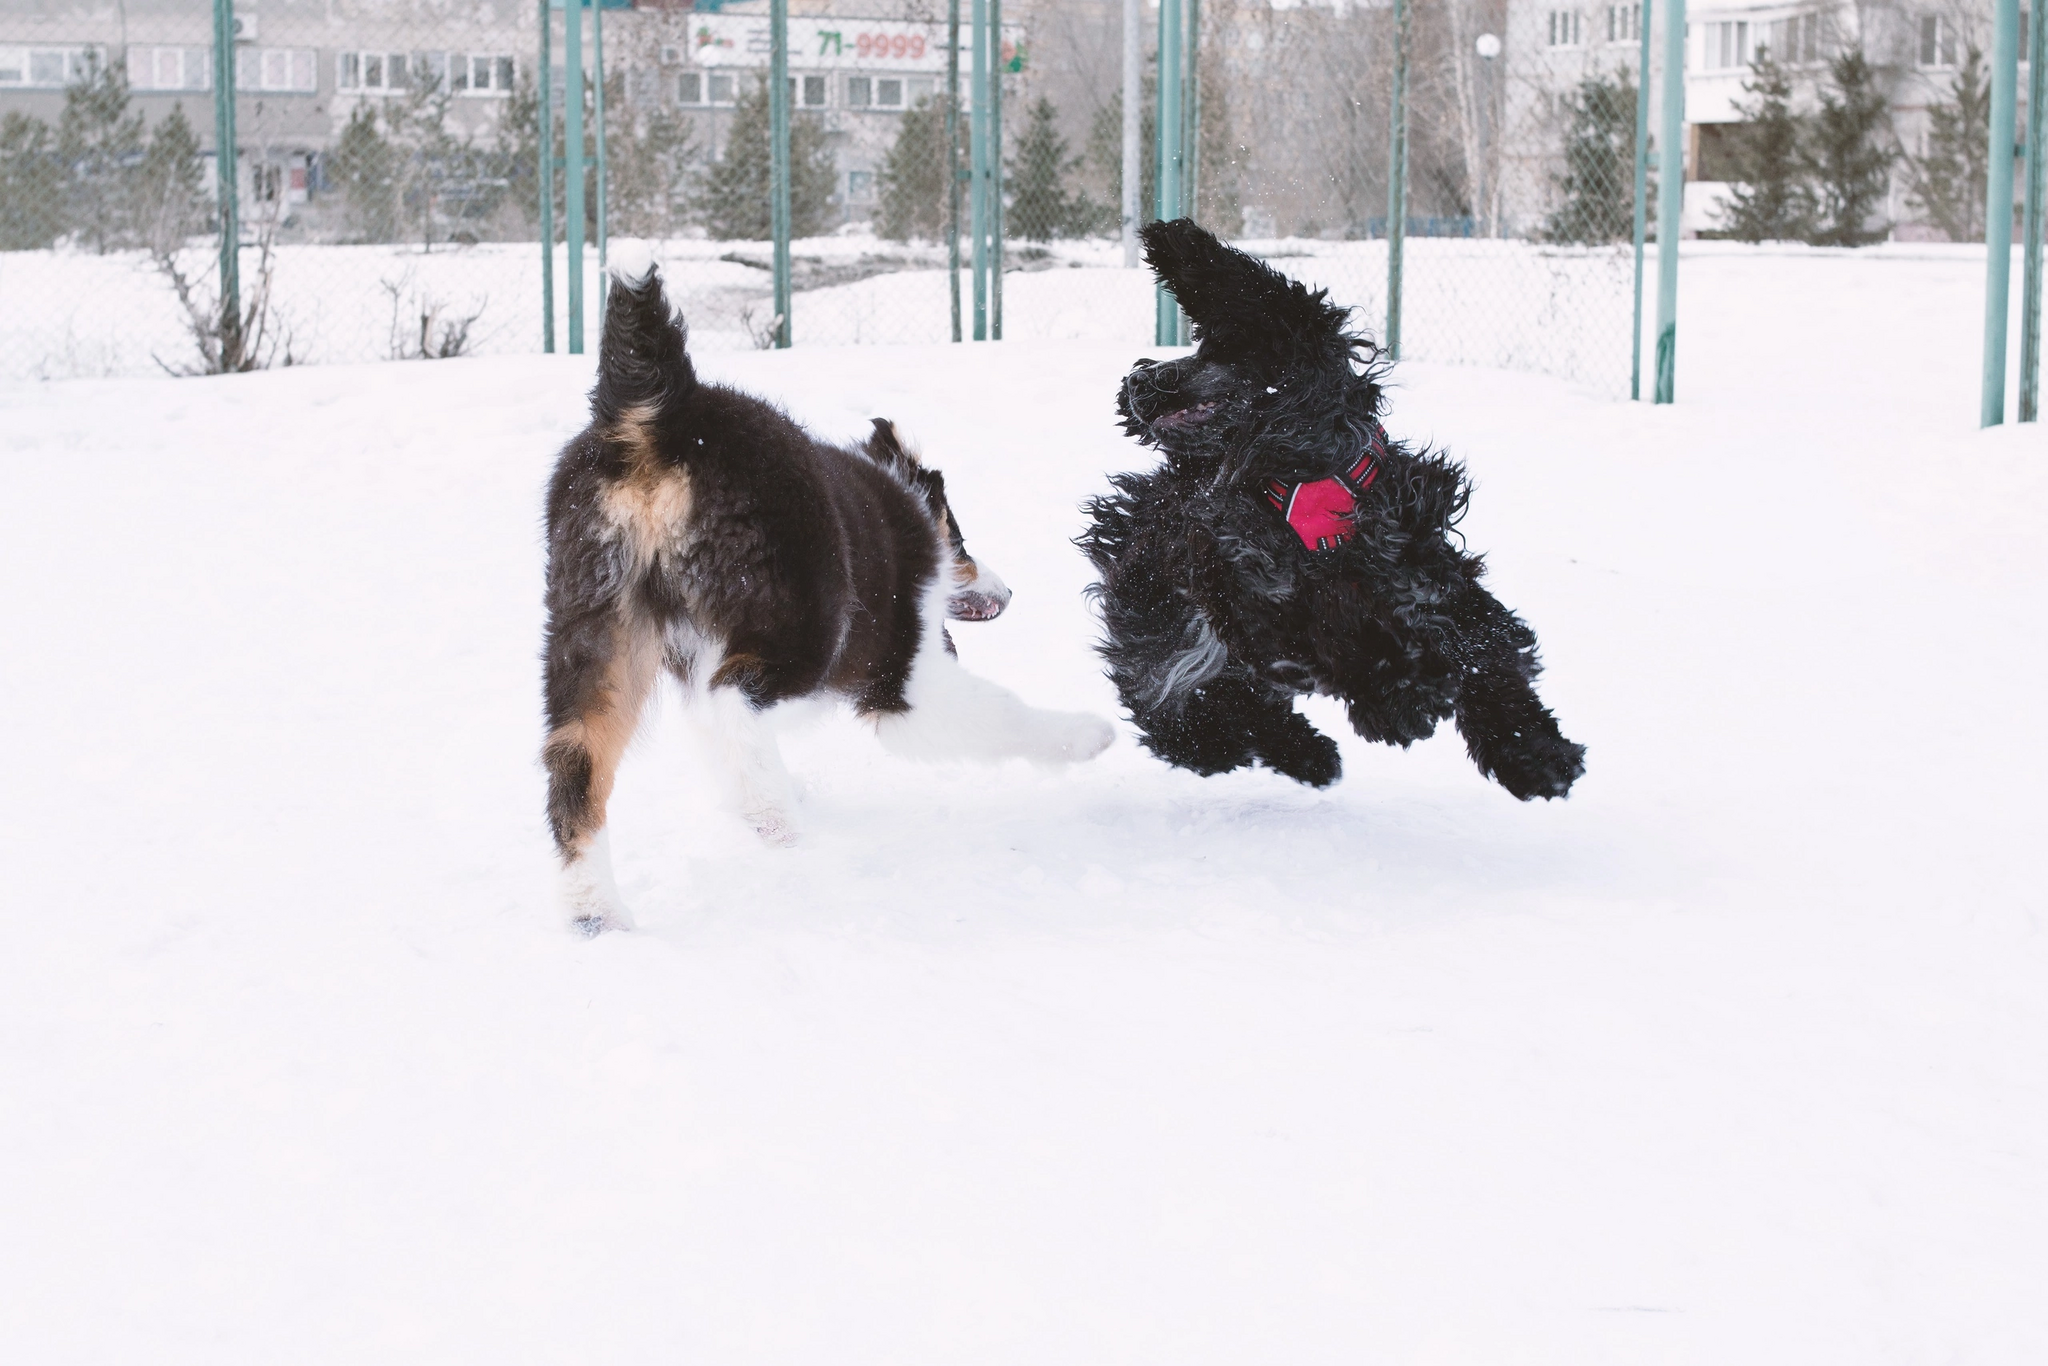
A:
607, 726
650, 506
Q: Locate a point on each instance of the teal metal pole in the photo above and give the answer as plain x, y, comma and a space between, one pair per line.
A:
778, 159
597, 63
1397, 179
2005, 79
953, 171
572, 163
546, 146
977, 138
1642, 225
2030, 256
1190, 131
1670, 201
228, 178
1166, 329
995, 170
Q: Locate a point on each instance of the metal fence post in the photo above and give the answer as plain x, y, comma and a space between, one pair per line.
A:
778, 160
228, 178
572, 163
1670, 202
1166, 329
995, 170
597, 64
2037, 185
1642, 211
546, 118
977, 193
1133, 166
1190, 132
2005, 79
1397, 178
953, 159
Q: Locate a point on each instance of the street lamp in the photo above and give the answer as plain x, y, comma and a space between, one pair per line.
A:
1488, 47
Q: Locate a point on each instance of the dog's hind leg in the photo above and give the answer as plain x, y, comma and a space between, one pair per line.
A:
1509, 733
953, 714
599, 670
740, 744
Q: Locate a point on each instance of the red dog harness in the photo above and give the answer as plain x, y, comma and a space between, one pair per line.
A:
1321, 511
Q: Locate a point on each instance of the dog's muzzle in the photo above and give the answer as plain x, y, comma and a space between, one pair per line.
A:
981, 598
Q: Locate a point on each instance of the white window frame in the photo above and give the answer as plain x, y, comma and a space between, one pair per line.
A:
1566, 28
860, 92
732, 89
277, 70
188, 68
1728, 45
882, 84
1934, 43
1624, 23
18, 64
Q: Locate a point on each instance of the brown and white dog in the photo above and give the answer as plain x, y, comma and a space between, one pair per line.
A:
697, 530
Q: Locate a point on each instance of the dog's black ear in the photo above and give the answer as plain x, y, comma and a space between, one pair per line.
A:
1233, 298
885, 445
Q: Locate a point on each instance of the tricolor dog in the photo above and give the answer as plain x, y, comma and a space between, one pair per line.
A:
697, 531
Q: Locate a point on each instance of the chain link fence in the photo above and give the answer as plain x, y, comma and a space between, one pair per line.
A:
390, 161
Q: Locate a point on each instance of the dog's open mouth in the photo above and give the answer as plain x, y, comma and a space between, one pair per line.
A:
970, 605
1192, 416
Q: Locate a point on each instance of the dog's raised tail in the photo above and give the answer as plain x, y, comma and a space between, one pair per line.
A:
643, 368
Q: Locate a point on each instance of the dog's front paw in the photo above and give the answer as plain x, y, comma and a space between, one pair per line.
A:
1547, 768
1302, 752
1074, 737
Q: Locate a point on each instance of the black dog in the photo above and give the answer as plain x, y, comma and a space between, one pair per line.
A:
1286, 546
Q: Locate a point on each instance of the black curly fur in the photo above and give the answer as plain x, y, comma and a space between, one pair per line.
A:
1218, 616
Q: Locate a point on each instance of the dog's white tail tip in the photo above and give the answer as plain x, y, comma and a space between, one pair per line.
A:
630, 261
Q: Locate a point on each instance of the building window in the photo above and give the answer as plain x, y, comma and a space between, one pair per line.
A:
373, 71
1727, 45
917, 88
1624, 23
488, 75
278, 70
814, 92
47, 67
889, 92
1794, 41
724, 89
1937, 40
860, 92
690, 88
1564, 28
860, 187
169, 68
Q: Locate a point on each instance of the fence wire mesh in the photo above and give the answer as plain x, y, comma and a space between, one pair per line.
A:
390, 161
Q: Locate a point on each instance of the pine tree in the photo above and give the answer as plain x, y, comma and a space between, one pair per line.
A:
170, 199
736, 191
31, 184
1948, 183
365, 165
1041, 208
1849, 155
1771, 201
1600, 158
99, 138
913, 176
651, 161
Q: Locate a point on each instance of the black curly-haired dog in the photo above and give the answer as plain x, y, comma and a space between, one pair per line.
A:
1286, 546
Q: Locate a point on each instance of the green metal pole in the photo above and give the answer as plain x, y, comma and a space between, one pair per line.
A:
977, 198
546, 145
778, 159
1166, 329
2005, 79
1670, 201
228, 178
1397, 179
995, 169
2030, 256
1642, 226
572, 163
597, 62
1190, 131
953, 171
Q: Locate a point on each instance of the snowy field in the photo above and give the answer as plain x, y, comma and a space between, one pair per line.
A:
1739, 1056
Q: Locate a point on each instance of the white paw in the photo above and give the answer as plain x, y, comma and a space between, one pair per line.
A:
1075, 737
774, 827
589, 894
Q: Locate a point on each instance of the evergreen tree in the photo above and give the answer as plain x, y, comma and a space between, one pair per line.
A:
31, 184
1771, 201
736, 191
1041, 208
1947, 184
170, 198
1600, 160
99, 139
651, 161
1849, 155
913, 176
365, 165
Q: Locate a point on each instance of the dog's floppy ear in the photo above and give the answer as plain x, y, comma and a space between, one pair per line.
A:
1233, 298
885, 445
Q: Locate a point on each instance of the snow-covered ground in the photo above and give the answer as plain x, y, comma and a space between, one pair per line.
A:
1740, 1055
